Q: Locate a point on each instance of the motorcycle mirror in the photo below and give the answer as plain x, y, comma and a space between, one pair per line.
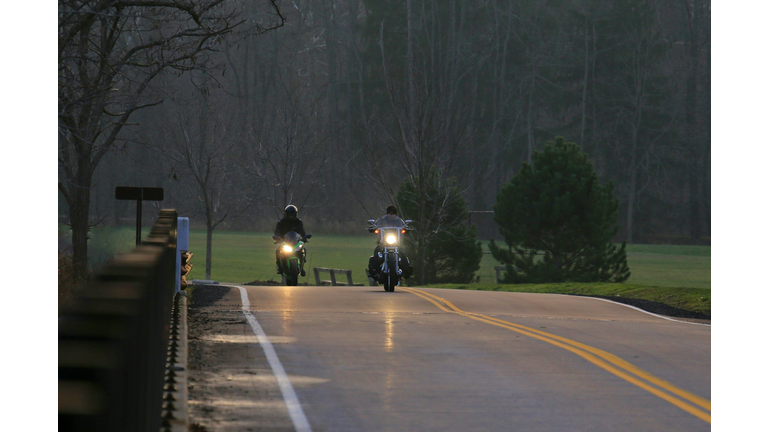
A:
308, 236
408, 221
371, 221
275, 237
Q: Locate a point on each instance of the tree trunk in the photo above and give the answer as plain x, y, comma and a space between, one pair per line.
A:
633, 162
78, 215
584, 87
531, 143
208, 248
691, 120
632, 193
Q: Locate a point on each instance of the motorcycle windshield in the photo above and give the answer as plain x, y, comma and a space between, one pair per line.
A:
292, 238
390, 221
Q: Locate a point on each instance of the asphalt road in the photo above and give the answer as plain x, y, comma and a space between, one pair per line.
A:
361, 359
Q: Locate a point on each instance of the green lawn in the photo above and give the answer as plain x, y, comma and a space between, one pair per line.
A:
670, 266
675, 275
653, 265
243, 257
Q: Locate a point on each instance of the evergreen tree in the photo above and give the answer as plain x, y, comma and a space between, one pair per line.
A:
558, 209
445, 249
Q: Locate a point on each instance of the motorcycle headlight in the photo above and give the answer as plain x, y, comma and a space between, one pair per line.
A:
287, 248
391, 239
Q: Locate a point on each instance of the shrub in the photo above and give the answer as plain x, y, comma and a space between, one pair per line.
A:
558, 221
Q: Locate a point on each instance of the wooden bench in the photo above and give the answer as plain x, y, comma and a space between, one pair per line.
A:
499, 269
333, 273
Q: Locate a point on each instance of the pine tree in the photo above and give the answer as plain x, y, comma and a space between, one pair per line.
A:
446, 247
558, 221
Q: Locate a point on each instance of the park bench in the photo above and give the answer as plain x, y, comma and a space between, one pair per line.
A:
333, 273
499, 269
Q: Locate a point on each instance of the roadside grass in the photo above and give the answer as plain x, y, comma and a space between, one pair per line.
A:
678, 276
697, 300
242, 257
245, 257
654, 265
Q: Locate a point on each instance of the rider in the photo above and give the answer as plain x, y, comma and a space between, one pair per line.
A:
374, 263
290, 222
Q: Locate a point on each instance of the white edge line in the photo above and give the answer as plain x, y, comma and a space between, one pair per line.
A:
289, 395
638, 309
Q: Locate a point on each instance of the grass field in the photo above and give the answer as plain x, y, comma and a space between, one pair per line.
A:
244, 257
678, 276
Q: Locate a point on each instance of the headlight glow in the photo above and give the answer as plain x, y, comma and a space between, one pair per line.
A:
391, 239
287, 248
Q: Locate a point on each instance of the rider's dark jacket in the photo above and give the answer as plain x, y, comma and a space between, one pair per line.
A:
285, 225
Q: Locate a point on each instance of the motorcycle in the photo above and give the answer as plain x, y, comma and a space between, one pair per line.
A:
292, 256
390, 239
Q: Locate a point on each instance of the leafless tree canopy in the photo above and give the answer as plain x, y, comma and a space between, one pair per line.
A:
110, 53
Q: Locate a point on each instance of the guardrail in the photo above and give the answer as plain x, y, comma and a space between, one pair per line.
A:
113, 339
175, 394
333, 272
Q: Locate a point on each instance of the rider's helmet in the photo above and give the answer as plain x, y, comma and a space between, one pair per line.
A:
392, 210
291, 210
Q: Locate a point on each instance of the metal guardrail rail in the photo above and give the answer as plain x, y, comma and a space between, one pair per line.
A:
113, 339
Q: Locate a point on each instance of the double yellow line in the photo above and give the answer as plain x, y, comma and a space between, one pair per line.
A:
680, 398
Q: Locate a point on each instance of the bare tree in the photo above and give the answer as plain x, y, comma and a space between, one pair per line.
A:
110, 52
288, 156
423, 127
201, 137
634, 95
697, 42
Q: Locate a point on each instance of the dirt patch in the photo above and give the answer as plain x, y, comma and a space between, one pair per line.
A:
231, 386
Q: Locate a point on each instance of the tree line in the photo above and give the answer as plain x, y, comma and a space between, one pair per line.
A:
240, 108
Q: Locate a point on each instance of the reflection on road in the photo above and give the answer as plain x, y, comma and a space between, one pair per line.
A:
287, 308
389, 375
389, 332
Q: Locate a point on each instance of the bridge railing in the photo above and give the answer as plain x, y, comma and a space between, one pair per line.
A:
113, 339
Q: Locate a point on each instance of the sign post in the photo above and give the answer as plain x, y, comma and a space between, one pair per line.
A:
182, 244
139, 194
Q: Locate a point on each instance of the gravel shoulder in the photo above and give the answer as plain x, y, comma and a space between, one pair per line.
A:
231, 386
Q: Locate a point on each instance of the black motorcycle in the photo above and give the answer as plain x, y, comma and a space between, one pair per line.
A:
390, 240
292, 256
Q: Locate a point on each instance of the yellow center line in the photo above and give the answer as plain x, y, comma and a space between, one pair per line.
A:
596, 356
